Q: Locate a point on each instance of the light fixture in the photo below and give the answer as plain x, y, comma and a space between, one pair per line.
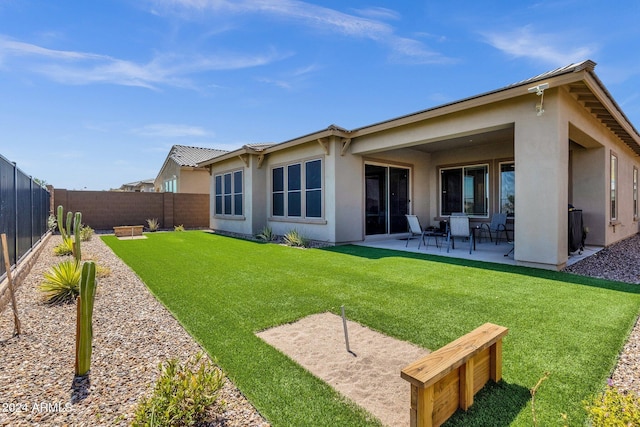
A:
539, 90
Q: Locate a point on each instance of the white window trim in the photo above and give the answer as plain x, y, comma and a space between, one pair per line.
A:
233, 193
285, 191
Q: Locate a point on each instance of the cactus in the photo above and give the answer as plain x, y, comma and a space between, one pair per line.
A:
77, 225
65, 232
84, 328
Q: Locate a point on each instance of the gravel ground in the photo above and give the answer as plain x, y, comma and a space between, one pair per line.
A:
133, 333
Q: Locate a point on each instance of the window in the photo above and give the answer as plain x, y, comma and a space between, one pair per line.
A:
228, 197
278, 191
302, 194
294, 190
171, 185
465, 189
507, 188
313, 189
614, 187
635, 192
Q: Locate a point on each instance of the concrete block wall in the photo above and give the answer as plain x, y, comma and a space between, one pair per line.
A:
103, 210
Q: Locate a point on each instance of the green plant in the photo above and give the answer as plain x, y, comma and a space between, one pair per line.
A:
64, 248
178, 228
182, 395
61, 283
267, 235
84, 320
52, 223
86, 233
294, 238
153, 224
614, 408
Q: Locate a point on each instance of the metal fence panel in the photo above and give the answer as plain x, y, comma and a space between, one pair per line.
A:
24, 210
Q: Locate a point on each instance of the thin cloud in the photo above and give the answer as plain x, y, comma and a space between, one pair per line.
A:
526, 42
168, 130
317, 17
81, 68
378, 13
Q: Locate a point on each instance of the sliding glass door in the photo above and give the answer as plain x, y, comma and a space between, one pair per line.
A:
386, 199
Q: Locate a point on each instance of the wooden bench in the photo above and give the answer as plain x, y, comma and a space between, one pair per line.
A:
448, 378
128, 230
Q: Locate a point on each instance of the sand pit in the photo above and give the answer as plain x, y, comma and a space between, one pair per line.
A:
371, 378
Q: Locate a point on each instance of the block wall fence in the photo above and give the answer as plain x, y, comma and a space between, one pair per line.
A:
103, 210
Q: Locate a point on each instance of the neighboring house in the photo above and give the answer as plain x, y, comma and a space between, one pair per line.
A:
180, 172
529, 149
143, 186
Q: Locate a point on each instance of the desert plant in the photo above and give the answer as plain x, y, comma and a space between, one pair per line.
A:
294, 238
178, 228
64, 248
267, 235
61, 283
102, 271
84, 320
86, 233
77, 224
153, 224
614, 408
182, 395
52, 223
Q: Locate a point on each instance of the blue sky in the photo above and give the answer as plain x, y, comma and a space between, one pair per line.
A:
94, 93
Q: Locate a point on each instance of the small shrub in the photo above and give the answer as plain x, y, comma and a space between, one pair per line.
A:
102, 271
614, 408
61, 283
178, 228
294, 238
183, 394
266, 235
153, 224
86, 233
52, 223
64, 248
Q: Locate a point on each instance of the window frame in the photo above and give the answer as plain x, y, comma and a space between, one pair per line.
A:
226, 194
635, 193
613, 186
462, 168
500, 183
293, 201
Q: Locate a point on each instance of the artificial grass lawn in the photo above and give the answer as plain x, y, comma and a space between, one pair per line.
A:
223, 290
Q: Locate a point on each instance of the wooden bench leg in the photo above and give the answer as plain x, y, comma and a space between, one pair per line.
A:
496, 361
466, 384
425, 398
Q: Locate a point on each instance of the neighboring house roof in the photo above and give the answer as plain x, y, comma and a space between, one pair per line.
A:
584, 85
138, 184
190, 156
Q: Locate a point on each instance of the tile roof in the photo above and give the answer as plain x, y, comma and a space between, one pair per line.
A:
190, 156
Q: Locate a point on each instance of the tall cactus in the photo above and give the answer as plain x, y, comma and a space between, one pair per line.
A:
64, 231
77, 224
84, 327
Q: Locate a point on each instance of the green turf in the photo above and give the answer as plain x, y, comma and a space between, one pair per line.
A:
223, 290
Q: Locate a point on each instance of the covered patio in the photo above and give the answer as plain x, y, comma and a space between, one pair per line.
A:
485, 251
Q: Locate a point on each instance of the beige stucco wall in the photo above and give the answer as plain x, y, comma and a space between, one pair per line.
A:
193, 180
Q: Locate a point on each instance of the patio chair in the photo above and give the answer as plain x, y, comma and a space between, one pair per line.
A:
459, 227
498, 225
415, 229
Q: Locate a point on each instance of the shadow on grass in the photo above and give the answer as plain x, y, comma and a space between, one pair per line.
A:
376, 253
495, 405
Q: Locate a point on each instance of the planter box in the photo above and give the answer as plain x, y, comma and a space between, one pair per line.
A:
128, 230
